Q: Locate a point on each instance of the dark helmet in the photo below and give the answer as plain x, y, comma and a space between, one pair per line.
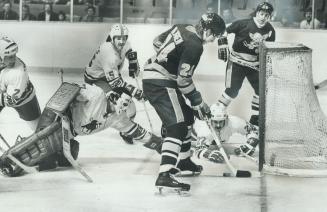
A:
265, 6
214, 22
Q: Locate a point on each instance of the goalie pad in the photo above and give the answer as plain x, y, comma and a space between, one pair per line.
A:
223, 51
62, 98
32, 150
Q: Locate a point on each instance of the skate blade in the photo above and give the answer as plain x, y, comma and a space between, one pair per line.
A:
164, 191
187, 174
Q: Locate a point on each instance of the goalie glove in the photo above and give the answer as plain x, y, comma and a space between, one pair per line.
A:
223, 51
133, 67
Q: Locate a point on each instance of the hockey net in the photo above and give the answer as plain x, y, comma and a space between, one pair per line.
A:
293, 128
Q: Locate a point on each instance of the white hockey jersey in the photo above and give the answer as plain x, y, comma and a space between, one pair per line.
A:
106, 62
15, 85
90, 113
233, 125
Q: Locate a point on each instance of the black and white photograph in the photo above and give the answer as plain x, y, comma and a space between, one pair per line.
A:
163, 105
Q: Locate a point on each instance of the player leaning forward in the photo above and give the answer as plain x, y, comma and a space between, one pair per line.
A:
88, 112
243, 60
16, 90
167, 79
104, 69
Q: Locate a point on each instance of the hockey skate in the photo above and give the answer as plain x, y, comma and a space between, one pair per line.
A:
167, 183
187, 167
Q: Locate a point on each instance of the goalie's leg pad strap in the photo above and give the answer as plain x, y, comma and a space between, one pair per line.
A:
39, 146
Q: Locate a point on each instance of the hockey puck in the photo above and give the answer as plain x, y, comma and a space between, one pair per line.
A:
226, 174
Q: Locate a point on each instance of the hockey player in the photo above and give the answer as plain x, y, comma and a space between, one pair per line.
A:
167, 79
225, 126
16, 90
104, 69
91, 111
243, 60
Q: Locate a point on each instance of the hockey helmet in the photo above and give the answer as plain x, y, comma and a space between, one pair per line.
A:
117, 30
218, 115
8, 47
120, 31
265, 6
213, 22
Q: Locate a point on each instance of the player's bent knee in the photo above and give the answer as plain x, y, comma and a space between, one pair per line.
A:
178, 130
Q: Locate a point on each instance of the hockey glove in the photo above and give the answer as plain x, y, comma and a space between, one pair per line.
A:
133, 67
113, 96
212, 154
223, 51
248, 148
139, 95
202, 111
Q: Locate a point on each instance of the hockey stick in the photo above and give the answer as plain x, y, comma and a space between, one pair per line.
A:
145, 108
4, 141
321, 84
66, 147
61, 73
235, 172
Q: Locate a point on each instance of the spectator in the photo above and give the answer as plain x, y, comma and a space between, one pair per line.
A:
27, 16
308, 22
228, 15
48, 14
62, 16
90, 15
8, 13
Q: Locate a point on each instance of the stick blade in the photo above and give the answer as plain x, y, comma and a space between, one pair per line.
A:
241, 173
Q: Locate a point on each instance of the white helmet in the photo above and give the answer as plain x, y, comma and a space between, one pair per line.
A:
218, 115
118, 30
8, 47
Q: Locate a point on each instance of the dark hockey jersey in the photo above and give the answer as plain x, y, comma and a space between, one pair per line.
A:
178, 54
247, 40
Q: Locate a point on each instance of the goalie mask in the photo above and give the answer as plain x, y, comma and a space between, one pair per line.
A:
218, 116
8, 50
212, 26
118, 36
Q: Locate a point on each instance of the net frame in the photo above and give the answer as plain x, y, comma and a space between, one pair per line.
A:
268, 164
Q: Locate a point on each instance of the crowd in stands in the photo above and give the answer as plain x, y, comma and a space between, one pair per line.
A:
288, 13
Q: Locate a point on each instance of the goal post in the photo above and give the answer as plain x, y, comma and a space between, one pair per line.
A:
292, 126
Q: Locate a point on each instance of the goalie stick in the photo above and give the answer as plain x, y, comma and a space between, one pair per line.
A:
321, 84
66, 147
145, 108
234, 172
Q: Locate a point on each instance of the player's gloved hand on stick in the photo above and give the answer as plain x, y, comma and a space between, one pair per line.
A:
223, 51
133, 67
202, 111
139, 95
113, 96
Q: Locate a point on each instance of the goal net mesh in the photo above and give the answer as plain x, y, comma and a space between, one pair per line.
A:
293, 128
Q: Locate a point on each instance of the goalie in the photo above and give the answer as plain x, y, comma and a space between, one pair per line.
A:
90, 111
225, 126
